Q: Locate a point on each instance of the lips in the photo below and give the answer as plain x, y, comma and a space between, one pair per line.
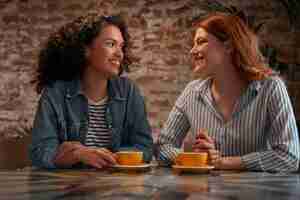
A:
115, 61
197, 59
198, 56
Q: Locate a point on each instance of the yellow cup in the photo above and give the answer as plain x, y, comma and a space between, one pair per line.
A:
130, 157
192, 159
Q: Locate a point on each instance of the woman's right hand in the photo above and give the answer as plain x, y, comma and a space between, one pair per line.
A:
96, 157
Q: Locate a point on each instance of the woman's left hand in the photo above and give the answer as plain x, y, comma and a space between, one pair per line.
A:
215, 159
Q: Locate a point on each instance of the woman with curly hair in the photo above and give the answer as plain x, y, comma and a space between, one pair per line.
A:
86, 110
240, 111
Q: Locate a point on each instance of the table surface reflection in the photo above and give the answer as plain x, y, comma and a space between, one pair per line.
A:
158, 183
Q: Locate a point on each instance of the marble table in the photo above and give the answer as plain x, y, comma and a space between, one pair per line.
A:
158, 183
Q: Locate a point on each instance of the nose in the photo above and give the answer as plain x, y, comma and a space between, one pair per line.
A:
193, 50
119, 52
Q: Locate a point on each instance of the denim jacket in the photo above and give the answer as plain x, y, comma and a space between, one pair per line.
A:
62, 115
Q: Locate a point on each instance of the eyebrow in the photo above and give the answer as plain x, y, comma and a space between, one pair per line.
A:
199, 38
123, 42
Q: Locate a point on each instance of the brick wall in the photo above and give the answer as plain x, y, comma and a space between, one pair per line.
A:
161, 34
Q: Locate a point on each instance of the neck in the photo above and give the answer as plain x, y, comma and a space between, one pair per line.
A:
94, 86
228, 83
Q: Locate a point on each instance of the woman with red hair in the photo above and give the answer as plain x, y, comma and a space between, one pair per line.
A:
239, 111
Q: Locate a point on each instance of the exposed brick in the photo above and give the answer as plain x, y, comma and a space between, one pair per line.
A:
162, 37
73, 7
10, 19
152, 47
172, 61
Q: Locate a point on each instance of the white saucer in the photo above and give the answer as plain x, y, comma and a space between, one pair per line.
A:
133, 167
194, 169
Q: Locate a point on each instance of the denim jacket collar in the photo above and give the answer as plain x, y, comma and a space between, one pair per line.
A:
74, 89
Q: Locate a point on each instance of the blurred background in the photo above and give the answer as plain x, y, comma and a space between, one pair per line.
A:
162, 37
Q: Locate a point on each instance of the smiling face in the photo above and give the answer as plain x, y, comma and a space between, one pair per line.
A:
105, 54
208, 53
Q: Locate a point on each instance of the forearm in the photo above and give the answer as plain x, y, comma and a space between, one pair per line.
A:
271, 160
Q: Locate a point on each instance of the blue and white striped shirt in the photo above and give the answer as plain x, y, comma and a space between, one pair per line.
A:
262, 129
98, 135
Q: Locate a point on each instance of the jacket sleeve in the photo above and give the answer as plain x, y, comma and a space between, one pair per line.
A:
140, 136
44, 135
283, 154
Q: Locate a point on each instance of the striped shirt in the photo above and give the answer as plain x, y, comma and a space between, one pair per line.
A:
262, 129
98, 134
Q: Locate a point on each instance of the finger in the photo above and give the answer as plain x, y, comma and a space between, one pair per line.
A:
203, 134
203, 145
94, 161
107, 157
113, 155
199, 141
199, 150
106, 150
102, 162
97, 165
213, 152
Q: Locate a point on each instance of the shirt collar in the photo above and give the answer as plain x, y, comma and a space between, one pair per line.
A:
255, 86
204, 86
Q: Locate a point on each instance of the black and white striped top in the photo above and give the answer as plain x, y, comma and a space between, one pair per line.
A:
98, 134
262, 129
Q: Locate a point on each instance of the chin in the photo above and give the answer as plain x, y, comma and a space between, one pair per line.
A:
198, 69
113, 74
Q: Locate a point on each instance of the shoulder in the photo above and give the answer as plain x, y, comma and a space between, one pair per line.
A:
273, 84
196, 86
56, 90
274, 89
123, 87
192, 92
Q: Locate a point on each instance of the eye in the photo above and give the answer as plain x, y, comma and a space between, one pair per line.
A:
109, 44
200, 42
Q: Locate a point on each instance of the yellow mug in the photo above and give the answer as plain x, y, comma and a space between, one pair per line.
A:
129, 157
196, 159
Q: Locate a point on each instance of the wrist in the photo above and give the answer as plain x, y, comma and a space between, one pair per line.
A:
231, 163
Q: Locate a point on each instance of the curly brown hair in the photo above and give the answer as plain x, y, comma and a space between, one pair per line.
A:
64, 58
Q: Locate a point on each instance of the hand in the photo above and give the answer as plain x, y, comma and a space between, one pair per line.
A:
96, 157
65, 154
215, 158
203, 142
69, 146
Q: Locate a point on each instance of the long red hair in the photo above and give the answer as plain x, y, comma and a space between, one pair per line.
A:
246, 55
